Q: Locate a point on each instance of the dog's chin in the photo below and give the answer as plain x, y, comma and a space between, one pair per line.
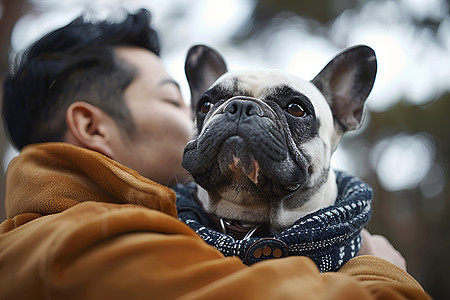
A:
245, 184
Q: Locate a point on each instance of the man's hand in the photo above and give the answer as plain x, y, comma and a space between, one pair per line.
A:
379, 246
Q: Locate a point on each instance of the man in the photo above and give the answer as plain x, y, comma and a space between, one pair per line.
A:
95, 115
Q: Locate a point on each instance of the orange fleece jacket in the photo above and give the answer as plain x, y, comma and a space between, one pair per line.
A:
82, 226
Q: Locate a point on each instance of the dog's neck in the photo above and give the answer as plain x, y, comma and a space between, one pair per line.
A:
237, 229
323, 197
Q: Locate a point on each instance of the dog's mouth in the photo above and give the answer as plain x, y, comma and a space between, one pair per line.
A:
239, 162
237, 154
253, 174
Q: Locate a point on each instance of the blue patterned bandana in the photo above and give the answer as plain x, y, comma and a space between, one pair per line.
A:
330, 236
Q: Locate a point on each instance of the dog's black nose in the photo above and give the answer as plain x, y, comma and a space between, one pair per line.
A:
243, 109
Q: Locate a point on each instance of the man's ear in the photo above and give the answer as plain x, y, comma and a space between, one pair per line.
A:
346, 82
87, 126
203, 67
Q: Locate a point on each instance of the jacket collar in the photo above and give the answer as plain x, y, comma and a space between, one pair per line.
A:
48, 178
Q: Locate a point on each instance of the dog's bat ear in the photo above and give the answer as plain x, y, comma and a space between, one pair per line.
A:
203, 67
346, 82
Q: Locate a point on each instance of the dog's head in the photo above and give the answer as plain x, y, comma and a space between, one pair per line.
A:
264, 138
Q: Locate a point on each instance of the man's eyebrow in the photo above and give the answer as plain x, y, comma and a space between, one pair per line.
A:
169, 81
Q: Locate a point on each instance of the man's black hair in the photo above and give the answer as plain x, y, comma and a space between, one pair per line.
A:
75, 62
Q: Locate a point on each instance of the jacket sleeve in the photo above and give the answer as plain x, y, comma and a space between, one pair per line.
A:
108, 251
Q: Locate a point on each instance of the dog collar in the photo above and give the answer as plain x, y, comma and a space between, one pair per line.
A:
329, 236
236, 229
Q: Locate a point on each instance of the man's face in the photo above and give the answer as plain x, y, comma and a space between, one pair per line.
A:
163, 123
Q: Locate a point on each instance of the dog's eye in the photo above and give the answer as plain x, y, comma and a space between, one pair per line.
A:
295, 109
205, 107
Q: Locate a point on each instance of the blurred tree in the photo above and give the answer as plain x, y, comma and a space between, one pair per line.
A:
407, 217
322, 11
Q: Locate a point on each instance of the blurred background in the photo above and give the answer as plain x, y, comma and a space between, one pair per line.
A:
403, 148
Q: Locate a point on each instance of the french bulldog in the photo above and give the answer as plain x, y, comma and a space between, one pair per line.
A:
264, 139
